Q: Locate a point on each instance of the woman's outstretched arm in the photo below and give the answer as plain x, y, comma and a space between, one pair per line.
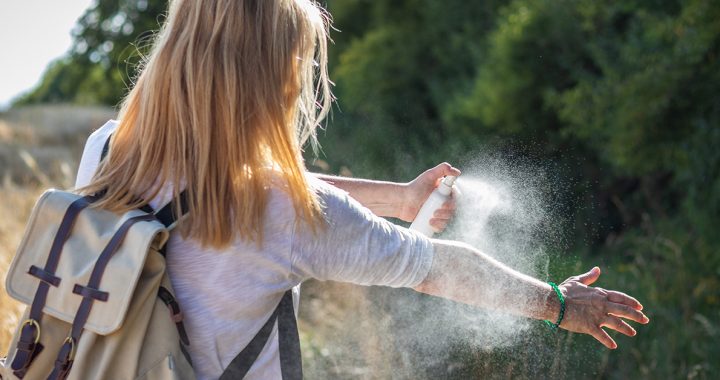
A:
399, 200
461, 273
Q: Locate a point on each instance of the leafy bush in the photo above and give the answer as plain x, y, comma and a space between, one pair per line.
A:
615, 100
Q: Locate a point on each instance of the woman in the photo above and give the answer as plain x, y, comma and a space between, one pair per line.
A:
229, 95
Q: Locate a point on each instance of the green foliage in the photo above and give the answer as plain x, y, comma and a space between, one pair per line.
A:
676, 269
65, 81
108, 43
536, 50
397, 69
650, 90
616, 100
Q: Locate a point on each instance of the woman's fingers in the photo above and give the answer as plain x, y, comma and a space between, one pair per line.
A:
627, 312
440, 171
603, 337
602, 308
450, 204
442, 216
624, 299
443, 213
438, 225
447, 169
618, 324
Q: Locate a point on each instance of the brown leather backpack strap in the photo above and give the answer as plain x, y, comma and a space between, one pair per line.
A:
28, 346
91, 293
175, 314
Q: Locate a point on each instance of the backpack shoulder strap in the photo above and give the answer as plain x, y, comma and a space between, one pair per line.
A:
166, 215
106, 148
288, 339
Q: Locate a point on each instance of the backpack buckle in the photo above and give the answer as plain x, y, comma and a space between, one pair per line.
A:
27, 347
71, 355
64, 360
32, 322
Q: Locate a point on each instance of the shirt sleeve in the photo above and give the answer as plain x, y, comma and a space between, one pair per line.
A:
359, 247
91, 154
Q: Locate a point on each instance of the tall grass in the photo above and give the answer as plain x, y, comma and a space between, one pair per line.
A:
15, 207
40, 147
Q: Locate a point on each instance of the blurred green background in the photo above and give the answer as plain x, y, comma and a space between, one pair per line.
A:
617, 102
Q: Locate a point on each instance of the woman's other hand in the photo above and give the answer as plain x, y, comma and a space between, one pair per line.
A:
588, 309
418, 190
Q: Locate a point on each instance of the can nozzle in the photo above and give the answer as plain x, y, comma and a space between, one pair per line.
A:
449, 180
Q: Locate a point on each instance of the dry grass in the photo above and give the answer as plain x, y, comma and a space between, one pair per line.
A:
15, 207
40, 147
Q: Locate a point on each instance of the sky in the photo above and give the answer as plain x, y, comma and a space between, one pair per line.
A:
33, 33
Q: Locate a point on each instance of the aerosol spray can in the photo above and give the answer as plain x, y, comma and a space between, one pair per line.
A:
436, 199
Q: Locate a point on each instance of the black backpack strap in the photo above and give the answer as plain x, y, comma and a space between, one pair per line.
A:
106, 148
288, 339
166, 215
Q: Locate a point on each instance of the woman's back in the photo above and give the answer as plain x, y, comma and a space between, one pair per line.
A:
226, 295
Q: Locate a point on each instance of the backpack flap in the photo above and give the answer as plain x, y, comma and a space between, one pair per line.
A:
90, 234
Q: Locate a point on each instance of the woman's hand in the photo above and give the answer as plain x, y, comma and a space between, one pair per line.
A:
400, 200
418, 190
588, 309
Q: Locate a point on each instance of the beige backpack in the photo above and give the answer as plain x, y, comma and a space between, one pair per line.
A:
100, 303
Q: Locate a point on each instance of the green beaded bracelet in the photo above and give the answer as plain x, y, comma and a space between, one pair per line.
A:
554, 326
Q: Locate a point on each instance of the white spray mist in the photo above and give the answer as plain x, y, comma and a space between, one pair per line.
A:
400, 334
503, 213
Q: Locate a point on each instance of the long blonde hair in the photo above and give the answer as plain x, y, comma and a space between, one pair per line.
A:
230, 88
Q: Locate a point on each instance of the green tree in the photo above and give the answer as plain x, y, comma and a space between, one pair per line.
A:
108, 43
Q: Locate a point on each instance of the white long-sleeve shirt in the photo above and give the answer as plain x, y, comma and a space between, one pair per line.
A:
227, 295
